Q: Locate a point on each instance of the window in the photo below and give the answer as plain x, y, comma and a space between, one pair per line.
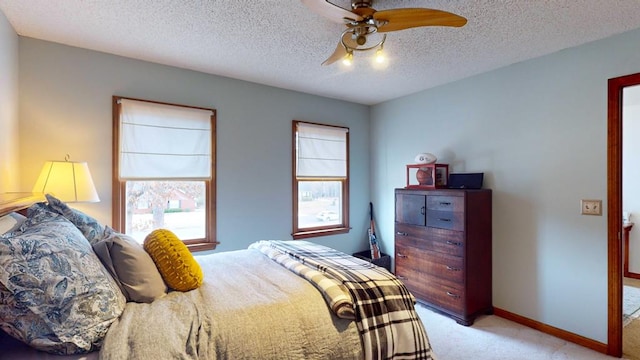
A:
164, 170
320, 179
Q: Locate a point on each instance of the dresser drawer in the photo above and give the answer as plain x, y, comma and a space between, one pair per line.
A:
452, 220
443, 266
432, 290
445, 203
431, 239
450, 298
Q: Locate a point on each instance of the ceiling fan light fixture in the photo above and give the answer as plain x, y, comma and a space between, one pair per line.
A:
380, 58
363, 20
348, 59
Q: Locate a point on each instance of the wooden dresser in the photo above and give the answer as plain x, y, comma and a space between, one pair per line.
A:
443, 249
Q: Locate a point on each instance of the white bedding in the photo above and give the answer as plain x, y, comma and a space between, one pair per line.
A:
249, 307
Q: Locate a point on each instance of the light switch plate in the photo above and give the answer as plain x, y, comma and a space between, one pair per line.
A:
591, 207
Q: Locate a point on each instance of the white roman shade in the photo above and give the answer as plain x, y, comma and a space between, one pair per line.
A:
161, 141
321, 151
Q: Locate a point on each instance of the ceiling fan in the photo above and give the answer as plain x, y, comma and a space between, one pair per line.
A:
363, 21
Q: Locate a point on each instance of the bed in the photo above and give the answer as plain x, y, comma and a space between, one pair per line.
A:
274, 300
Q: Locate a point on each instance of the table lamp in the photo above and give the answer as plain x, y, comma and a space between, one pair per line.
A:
69, 181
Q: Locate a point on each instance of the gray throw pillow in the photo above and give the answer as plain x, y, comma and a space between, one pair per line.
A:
131, 266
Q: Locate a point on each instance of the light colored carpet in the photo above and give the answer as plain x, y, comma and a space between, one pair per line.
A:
494, 338
631, 340
630, 304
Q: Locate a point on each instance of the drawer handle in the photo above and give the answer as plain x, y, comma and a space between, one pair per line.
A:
402, 256
443, 219
455, 296
423, 210
402, 233
455, 243
445, 203
452, 268
400, 277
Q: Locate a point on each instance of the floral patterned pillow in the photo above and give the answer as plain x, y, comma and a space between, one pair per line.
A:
90, 227
55, 294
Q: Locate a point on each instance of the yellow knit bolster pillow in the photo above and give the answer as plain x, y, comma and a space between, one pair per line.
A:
176, 264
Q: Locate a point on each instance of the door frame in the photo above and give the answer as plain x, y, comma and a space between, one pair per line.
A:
614, 209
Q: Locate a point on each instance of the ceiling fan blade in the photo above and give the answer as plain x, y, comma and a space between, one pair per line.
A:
330, 11
364, 11
400, 19
338, 54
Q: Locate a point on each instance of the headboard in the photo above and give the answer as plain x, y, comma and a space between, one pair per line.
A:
17, 201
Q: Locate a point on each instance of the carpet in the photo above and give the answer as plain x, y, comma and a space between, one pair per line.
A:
631, 340
494, 338
630, 304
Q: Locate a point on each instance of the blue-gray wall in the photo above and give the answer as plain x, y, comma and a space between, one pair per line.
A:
65, 107
538, 130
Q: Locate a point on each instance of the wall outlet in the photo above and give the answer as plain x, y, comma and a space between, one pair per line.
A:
591, 207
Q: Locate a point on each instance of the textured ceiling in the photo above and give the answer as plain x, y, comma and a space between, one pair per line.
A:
281, 43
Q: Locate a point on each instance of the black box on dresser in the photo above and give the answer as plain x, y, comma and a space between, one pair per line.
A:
443, 249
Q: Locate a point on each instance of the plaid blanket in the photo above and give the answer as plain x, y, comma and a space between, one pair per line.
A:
335, 294
384, 309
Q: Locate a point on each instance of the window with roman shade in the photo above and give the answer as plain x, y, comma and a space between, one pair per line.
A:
320, 179
164, 141
164, 170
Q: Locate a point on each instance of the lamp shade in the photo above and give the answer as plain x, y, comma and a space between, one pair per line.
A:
69, 181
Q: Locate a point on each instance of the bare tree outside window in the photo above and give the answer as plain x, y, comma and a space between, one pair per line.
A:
175, 205
320, 179
164, 170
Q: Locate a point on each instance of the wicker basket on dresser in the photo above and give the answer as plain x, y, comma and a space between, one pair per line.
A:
443, 249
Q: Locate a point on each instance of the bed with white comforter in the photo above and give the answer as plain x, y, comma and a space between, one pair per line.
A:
249, 307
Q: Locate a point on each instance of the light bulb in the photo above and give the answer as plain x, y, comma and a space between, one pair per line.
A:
380, 56
348, 59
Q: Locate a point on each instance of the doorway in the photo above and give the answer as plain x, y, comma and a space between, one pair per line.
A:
614, 207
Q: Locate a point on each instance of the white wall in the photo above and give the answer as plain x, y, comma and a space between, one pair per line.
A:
631, 171
538, 130
9, 177
65, 107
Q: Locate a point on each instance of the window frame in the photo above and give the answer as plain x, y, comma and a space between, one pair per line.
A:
119, 201
308, 232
